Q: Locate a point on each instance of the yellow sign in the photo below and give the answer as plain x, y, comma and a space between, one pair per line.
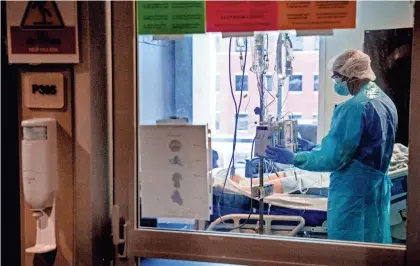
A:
316, 15
42, 15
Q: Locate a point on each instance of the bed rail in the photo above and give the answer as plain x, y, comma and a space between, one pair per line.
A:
268, 219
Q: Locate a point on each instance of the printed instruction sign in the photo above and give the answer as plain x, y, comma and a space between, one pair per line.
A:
316, 15
42, 32
241, 16
170, 17
173, 172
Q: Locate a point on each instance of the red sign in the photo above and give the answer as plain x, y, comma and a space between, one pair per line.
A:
241, 16
62, 41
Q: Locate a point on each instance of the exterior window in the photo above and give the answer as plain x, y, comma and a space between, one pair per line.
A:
269, 81
316, 82
217, 82
218, 44
295, 83
243, 122
295, 116
217, 121
238, 81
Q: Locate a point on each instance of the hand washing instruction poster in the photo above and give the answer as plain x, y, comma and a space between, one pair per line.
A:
173, 172
170, 17
316, 15
241, 16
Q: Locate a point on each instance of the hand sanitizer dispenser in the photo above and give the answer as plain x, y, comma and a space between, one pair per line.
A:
39, 173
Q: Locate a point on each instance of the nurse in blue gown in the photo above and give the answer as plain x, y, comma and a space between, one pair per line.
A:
357, 151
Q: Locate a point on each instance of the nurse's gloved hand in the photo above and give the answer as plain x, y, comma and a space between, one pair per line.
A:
305, 145
280, 154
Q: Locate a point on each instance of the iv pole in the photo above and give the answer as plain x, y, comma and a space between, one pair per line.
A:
262, 68
259, 45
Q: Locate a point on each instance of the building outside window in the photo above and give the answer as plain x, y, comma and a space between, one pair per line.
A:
269, 82
295, 83
243, 122
217, 82
295, 116
238, 81
217, 121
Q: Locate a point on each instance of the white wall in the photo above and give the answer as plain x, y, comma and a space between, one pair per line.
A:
371, 15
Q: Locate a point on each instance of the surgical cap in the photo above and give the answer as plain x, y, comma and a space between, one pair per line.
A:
354, 64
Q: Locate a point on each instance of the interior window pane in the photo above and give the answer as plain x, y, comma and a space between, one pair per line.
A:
197, 169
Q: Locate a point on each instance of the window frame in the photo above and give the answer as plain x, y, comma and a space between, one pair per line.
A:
233, 248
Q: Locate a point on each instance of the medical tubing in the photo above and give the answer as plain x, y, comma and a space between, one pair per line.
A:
237, 109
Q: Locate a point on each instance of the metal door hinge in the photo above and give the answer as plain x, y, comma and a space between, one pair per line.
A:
119, 232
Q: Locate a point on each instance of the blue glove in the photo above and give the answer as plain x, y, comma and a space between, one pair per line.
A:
280, 154
305, 145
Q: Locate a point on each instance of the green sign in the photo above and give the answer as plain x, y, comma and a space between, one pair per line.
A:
170, 17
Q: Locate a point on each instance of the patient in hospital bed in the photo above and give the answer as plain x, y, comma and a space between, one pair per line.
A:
285, 180
245, 183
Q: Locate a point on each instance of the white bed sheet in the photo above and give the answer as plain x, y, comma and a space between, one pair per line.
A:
295, 201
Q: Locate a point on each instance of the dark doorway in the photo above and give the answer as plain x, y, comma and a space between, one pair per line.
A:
390, 51
10, 207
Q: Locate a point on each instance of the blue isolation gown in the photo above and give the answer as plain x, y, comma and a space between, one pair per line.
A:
357, 150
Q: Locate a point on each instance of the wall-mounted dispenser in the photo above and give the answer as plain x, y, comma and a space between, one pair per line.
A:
39, 174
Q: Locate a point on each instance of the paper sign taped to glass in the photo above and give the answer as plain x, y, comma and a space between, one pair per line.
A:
173, 172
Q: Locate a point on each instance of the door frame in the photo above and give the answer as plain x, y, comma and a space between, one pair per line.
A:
244, 249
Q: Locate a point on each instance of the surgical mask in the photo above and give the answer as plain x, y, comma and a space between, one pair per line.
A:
341, 88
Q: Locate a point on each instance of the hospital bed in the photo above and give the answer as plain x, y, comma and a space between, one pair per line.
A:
301, 210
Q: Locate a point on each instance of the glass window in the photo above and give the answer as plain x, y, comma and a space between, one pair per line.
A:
217, 122
243, 122
295, 83
295, 116
217, 82
174, 80
239, 83
269, 82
